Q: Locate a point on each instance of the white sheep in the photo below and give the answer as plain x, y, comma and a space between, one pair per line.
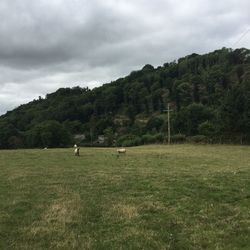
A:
121, 151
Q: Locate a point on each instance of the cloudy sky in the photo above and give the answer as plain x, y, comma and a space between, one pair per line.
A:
48, 44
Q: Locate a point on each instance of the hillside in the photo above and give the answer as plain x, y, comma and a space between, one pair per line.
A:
209, 96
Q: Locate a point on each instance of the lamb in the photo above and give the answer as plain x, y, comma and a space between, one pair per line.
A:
121, 151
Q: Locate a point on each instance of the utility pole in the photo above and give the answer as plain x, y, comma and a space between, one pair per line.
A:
168, 125
169, 130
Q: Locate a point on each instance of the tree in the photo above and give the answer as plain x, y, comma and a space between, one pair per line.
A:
48, 134
109, 136
235, 111
185, 93
154, 124
189, 118
7, 130
206, 128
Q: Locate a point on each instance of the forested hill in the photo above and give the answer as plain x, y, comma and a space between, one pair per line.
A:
209, 96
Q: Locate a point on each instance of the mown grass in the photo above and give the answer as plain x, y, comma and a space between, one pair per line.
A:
154, 197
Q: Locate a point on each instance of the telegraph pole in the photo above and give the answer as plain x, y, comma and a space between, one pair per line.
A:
168, 125
169, 130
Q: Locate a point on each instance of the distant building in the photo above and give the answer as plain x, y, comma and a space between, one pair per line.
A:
101, 139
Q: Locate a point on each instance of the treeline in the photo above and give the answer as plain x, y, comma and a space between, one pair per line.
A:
209, 96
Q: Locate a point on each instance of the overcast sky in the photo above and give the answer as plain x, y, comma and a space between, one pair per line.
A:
48, 44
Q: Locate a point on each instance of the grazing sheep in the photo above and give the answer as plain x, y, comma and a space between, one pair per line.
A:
121, 151
77, 151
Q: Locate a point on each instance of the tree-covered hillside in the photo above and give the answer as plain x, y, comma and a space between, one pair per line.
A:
209, 96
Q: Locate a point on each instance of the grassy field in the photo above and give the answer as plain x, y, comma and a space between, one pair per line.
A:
154, 197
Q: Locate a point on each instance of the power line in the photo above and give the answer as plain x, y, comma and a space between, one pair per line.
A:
241, 37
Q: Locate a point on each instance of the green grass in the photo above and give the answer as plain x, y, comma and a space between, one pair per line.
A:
154, 197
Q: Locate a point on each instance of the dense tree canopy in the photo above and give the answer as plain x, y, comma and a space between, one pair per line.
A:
209, 96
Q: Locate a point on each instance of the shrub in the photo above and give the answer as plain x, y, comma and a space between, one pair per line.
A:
159, 137
148, 138
197, 139
132, 142
179, 138
206, 128
129, 140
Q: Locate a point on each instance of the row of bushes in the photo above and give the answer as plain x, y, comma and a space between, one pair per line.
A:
133, 140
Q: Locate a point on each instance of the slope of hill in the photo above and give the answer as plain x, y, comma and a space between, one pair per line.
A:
209, 95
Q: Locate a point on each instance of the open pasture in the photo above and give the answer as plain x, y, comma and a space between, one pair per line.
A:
152, 197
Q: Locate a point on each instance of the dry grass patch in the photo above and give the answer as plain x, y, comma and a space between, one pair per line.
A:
16, 175
124, 211
153, 205
55, 222
138, 234
57, 215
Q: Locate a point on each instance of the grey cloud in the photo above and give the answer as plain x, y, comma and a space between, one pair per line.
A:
49, 44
